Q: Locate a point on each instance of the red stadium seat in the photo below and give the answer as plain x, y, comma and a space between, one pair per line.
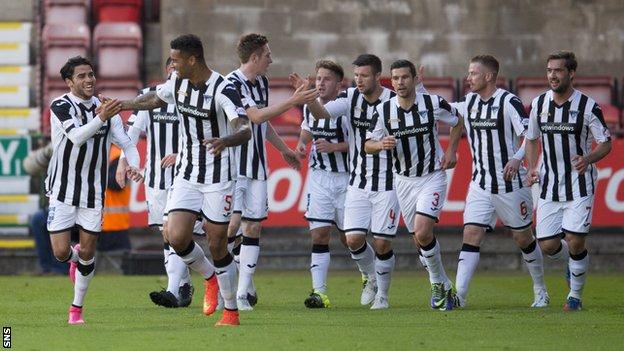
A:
118, 10
599, 88
65, 11
118, 49
528, 88
501, 82
446, 87
61, 41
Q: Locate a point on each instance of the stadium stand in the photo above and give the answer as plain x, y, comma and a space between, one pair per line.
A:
501, 82
117, 10
117, 42
65, 11
61, 41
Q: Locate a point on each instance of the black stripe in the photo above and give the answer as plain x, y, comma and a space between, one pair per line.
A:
77, 173
199, 127
501, 137
340, 134
565, 145
91, 174
65, 170
552, 153
432, 145
163, 138
354, 127
215, 133
491, 157
405, 142
471, 132
152, 150
480, 144
582, 182
104, 164
539, 107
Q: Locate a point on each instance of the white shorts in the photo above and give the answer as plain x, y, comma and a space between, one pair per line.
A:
326, 198
557, 217
212, 201
422, 195
515, 209
250, 199
63, 217
377, 210
156, 200
198, 229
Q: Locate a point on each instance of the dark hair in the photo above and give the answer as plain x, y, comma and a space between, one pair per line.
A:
369, 60
489, 61
67, 71
189, 44
568, 56
332, 66
168, 62
402, 64
249, 44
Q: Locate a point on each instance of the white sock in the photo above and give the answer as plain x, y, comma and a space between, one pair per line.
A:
195, 258
319, 265
177, 271
423, 262
226, 276
532, 256
563, 253
249, 252
578, 273
364, 257
84, 274
384, 265
434, 264
466, 266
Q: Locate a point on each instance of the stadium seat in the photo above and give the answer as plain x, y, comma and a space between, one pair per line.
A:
446, 87
14, 96
501, 82
528, 88
117, 10
289, 122
61, 41
16, 75
65, 11
118, 49
14, 43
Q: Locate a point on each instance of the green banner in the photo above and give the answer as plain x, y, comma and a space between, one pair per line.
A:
13, 151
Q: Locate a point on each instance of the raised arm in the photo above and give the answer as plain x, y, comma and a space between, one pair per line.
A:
240, 135
300, 97
147, 101
60, 110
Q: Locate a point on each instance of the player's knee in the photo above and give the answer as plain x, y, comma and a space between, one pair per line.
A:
320, 236
523, 237
61, 254
550, 247
473, 235
382, 246
423, 235
355, 241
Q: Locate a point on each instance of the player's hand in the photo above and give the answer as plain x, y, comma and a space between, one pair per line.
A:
120, 174
388, 142
297, 81
322, 145
420, 75
449, 160
301, 150
303, 96
134, 174
511, 169
214, 145
168, 161
580, 163
108, 109
292, 158
532, 177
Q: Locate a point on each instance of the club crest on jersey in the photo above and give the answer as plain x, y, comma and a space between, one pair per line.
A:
494, 109
423, 116
574, 114
182, 93
207, 99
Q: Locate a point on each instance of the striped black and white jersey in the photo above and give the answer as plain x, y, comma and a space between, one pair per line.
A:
334, 130
77, 173
251, 157
162, 129
493, 128
418, 151
566, 130
205, 112
369, 172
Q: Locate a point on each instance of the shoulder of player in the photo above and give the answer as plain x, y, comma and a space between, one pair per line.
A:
541, 97
61, 105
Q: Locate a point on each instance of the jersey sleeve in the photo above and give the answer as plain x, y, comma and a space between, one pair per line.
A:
165, 91
121, 139
60, 110
597, 125
533, 131
139, 120
445, 113
306, 118
339, 106
517, 115
229, 100
377, 131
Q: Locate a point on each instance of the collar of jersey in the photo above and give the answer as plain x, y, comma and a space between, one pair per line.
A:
568, 102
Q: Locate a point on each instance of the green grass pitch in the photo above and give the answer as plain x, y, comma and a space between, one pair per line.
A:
120, 316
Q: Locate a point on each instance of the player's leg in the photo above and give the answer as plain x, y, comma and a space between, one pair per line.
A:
577, 216
479, 216
430, 201
549, 232
385, 220
217, 211
319, 265
235, 230
357, 220
255, 210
